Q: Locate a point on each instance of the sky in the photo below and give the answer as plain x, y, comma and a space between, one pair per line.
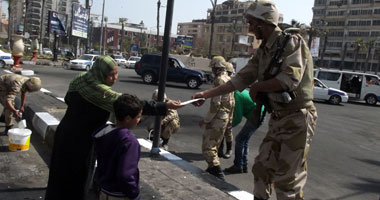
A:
187, 10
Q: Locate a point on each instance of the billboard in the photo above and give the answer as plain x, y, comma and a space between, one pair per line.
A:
187, 41
57, 23
314, 48
80, 21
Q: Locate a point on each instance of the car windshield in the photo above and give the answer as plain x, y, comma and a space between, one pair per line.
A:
318, 83
118, 57
181, 63
85, 57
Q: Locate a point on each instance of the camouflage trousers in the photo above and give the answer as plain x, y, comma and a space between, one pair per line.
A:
281, 163
228, 134
212, 137
8, 114
169, 129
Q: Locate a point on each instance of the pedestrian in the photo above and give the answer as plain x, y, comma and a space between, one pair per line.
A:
217, 119
89, 104
10, 86
169, 124
118, 152
244, 107
281, 162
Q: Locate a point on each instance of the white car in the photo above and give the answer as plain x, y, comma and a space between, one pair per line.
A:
132, 61
5, 59
120, 60
332, 95
47, 51
84, 62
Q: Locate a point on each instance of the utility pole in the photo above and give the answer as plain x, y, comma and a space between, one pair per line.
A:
42, 32
122, 21
101, 29
88, 7
105, 35
158, 23
212, 27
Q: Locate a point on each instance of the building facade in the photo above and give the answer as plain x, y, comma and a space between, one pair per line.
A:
350, 33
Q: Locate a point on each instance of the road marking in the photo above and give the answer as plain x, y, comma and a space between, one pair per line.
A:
45, 90
241, 195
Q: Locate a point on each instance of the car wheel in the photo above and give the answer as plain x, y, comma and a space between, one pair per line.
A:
149, 77
371, 99
192, 83
2, 64
88, 67
335, 99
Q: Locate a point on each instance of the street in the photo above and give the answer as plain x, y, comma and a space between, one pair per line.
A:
344, 161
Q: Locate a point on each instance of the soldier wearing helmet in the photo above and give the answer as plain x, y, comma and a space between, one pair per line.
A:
217, 119
292, 123
169, 124
10, 86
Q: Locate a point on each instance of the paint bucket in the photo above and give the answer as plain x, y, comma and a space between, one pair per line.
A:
19, 139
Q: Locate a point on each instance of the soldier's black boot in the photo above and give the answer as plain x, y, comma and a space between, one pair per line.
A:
229, 150
216, 171
245, 169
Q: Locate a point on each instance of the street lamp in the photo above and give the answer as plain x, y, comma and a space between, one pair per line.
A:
141, 28
101, 28
105, 35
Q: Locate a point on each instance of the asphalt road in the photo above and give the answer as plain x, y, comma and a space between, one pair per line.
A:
344, 161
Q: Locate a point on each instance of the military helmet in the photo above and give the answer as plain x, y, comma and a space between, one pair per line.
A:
33, 84
230, 67
155, 95
218, 62
265, 10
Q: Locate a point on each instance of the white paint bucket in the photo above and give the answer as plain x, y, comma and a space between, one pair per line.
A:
19, 139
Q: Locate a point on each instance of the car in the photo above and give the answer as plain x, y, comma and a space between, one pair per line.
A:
120, 60
132, 61
84, 62
5, 59
149, 68
332, 95
47, 51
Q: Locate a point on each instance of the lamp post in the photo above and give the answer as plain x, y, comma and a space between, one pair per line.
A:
158, 22
88, 7
122, 21
141, 35
101, 29
233, 30
105, 35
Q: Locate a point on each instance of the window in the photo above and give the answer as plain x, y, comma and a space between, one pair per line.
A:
376, 22
329, 76
320, 2
361, 1
233, 12
372, 80
335, 23
358, 33
241, 11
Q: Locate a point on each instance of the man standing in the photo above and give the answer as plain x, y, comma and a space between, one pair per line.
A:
281, 162
217, 119
10, 86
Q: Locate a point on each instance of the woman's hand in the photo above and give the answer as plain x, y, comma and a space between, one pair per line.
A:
173, 105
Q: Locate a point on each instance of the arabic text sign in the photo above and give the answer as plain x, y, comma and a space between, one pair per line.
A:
57, 23
80, 21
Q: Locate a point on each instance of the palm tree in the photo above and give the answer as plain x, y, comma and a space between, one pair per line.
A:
369, 46
359, 44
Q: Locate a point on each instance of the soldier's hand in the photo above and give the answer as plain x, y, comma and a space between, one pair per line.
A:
173, 105
196, 96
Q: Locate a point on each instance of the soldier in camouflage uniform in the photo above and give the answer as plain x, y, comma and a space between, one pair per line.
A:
217, 119
10, 86
281, 162
228, 137
169, 124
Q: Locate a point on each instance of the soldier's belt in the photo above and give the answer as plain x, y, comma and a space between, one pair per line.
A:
277, 114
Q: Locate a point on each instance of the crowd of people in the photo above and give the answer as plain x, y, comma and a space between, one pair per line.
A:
282, 160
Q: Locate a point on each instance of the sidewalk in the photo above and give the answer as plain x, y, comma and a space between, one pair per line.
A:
23, 175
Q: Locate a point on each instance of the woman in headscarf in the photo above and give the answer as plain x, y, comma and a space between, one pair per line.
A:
89, 104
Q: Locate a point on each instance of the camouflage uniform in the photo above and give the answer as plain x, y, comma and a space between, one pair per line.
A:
281, 162
170, 123
217, 119
10, 86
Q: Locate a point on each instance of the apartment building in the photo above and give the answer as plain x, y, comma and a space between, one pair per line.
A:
195, 28
350, 33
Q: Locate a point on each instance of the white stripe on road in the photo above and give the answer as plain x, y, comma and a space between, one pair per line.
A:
241, 195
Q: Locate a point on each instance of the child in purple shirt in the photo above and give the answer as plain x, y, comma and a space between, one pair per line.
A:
118, 152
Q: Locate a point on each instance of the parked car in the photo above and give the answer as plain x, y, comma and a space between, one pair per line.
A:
332, 95
359, 86
132, 61
149, 67
84, 62
5, 59
120, 60
47, 51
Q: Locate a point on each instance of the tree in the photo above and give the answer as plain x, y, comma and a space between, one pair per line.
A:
358, 44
